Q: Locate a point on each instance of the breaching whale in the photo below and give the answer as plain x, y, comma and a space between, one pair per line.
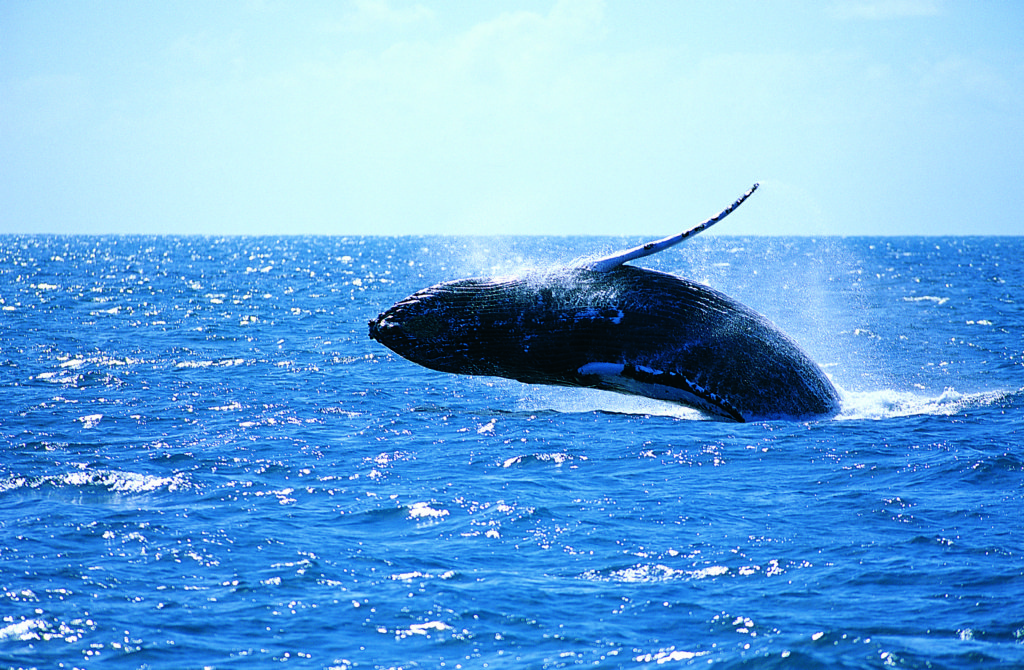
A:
606, 325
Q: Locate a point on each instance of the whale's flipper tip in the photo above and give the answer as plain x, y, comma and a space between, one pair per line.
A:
615, 260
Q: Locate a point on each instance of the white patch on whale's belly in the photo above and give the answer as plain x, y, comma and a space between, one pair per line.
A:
610, 376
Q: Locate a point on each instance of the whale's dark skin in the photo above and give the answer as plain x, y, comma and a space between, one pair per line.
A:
614, 327
673, 339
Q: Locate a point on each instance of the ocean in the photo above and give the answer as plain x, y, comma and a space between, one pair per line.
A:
206, 463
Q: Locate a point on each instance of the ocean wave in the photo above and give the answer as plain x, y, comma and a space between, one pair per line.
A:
887, 404
34, 629
642, 573
659, 572
114, 481
29, 629
558, 458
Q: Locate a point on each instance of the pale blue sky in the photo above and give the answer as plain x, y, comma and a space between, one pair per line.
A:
858, 117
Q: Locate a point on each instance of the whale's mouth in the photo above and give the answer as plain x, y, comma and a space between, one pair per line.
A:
659, 384
374, 326
384, 329
407, 321
388, 328
420, 333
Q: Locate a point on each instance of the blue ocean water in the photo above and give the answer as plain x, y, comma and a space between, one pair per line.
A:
207, 463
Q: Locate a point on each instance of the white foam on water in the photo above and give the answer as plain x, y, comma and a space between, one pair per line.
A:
856, 405
423, 510
115, 481
29, 629
887, 403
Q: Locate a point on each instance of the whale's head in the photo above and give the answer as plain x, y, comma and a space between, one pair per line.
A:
416, 328
448, 327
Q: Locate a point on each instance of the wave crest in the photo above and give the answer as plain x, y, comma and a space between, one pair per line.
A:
886, 404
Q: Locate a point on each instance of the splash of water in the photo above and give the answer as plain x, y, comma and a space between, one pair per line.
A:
886, 403
856, 405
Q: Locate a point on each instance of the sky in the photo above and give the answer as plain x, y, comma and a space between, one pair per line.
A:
556, 117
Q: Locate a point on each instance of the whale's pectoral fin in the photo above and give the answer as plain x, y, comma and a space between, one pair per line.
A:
615, 260
660, 385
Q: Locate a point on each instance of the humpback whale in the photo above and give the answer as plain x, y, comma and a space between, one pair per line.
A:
606, 325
